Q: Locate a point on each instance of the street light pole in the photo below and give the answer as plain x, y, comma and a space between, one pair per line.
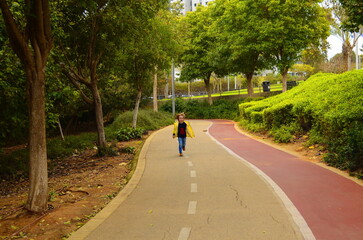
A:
356, 54
173, 87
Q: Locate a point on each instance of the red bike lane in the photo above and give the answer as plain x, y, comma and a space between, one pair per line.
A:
331, 205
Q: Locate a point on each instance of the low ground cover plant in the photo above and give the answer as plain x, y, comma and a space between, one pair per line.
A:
327, 107
14, 163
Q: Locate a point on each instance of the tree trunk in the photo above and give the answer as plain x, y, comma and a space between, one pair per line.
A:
38, 171
60, 130
136, 109
284, 80
207, 87
99, 116
33, 49
155, 91
189, 95
166, 93
349, 62
345, 51
249, 84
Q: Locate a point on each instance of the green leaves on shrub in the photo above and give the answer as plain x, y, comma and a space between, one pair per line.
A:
127, 134
130, 150
282, 135
147, 119
197, 109
326, 107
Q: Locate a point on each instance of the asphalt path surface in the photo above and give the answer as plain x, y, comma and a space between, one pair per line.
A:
227, 186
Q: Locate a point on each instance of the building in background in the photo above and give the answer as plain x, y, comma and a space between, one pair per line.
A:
191, 5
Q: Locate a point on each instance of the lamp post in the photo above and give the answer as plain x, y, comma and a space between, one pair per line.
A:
173, 88
356, 54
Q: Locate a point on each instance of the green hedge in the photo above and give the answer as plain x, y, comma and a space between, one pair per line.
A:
328, 107
197, 109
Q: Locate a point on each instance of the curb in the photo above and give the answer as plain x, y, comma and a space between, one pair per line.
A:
295, 215
91, 225
320, 164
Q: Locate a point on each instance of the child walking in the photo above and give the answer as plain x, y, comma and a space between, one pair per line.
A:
182, 130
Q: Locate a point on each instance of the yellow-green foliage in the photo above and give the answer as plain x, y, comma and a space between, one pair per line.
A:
327, 106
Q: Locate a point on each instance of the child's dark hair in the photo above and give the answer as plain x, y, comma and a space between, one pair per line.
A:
179, 114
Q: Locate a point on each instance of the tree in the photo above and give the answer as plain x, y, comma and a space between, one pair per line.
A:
354, 13
85, 45
315, 56
142, 49
293, 27
164, 43
198, 43
32, 42
339, 17
239, 26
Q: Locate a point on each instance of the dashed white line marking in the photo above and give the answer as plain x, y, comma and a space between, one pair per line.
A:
194, 188
192, 209
184, 233
190, 164
193, 174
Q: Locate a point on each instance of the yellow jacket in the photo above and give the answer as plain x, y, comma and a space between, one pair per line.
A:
190, 132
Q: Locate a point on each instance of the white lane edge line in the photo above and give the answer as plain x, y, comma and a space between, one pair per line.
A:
194, 188
193, 174
184, 233
190, 163
296, 215
192, 209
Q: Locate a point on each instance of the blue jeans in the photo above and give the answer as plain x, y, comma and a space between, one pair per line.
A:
182, 142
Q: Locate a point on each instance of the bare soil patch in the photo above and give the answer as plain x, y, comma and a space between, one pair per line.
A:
79, 187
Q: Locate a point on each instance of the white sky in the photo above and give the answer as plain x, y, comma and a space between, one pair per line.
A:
336, 45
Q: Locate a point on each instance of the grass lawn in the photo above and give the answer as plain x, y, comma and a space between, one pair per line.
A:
274, 87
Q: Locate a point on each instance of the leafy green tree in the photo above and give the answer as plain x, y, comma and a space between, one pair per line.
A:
354, 12
196, 58
164, 43
28, 27
239, 26
315, 56
85, 43
339, 14
13, 107
141, 50
292, 27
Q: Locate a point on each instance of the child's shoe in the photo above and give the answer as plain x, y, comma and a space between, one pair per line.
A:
183, 148
180, 154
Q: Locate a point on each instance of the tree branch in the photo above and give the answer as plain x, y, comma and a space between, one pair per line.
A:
17, 38
76, 85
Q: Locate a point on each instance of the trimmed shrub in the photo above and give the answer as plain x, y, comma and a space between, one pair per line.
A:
197, 109
326, 107
127, 134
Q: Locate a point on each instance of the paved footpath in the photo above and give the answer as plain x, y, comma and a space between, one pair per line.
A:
331, 205
246, 192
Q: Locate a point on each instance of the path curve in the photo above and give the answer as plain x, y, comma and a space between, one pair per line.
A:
332, 205
207, 194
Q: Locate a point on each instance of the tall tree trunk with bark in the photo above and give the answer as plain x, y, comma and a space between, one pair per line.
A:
249, 84
284, 79
99, 116
189, 95
155, 90
136, 109
32, 45
346, 58
38, 173
208, 88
